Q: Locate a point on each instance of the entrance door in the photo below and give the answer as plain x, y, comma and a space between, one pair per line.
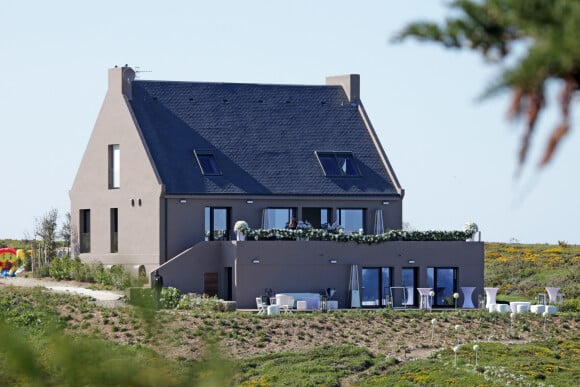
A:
376, 285
409, 282
210, 284
217, 224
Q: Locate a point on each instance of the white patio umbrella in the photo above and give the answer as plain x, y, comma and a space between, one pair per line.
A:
354, 287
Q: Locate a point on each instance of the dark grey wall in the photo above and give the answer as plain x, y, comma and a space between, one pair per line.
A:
304, 266
185, 221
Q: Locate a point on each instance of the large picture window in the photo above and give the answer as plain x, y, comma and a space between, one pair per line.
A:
277, 217
352, 219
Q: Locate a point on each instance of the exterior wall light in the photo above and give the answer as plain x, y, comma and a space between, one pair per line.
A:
182, 201
386, 203
255, 260
250, 201
411, 261
333, 261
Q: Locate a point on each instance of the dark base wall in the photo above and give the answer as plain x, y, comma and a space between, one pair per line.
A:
305, 266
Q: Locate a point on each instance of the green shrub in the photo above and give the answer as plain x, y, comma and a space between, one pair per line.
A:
169, 298
141, 297
199, 302
571, 305
120, 277
27, 263
102, 276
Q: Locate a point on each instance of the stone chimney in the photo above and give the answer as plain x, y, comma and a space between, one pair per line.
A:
350, 83
120, 80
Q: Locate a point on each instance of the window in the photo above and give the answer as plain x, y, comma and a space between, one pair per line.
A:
409, 280
207, 163
316, 216
217, 222
85, 230
114, 166
114, 230
444, 281
351, 219
376, 286
337, 163
277, 217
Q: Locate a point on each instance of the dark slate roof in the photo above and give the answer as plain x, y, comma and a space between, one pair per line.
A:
263, 138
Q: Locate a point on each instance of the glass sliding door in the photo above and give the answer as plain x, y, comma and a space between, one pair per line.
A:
443, 280
409, 281
376, 284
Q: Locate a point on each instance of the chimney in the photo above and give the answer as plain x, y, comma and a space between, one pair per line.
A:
120, 79
349, 82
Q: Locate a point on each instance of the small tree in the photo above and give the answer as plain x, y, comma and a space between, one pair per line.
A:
65, 232
45, 229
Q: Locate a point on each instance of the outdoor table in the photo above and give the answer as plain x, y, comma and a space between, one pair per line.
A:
467, 301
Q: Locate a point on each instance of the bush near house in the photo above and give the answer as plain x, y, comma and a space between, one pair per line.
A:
116, 276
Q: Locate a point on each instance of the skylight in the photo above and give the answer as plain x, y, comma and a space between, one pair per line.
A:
337, 163
207, 163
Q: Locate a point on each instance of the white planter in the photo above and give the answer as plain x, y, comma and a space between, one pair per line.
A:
240, 236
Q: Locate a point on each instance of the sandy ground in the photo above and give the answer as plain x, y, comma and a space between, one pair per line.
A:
101, 297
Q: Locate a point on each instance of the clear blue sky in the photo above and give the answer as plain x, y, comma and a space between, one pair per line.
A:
455, 156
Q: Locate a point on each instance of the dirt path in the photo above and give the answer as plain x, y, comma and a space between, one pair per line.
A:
109, 298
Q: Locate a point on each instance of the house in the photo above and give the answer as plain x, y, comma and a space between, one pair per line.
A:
171, 166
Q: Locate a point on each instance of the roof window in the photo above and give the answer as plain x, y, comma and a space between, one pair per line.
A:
207, 163
337, 163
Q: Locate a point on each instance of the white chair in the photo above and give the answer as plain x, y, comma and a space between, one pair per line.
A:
261, 306
286, 303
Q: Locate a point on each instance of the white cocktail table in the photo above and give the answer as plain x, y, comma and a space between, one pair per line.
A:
467, 301
490, 294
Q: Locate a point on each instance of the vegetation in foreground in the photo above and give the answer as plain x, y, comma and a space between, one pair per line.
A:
58, 339
68, 340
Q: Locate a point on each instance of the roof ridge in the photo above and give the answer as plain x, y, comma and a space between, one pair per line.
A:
235, 83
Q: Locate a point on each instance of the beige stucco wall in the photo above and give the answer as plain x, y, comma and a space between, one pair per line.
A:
139, 225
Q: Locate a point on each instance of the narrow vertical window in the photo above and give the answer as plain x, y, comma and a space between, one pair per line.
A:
85, 230
114, 166
114, 230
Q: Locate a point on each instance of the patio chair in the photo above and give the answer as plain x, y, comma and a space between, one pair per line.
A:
286, 303
261, 306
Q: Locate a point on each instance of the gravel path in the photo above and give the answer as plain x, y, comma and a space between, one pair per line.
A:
108, 298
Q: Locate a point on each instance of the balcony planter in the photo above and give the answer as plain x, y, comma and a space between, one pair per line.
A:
240, 227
